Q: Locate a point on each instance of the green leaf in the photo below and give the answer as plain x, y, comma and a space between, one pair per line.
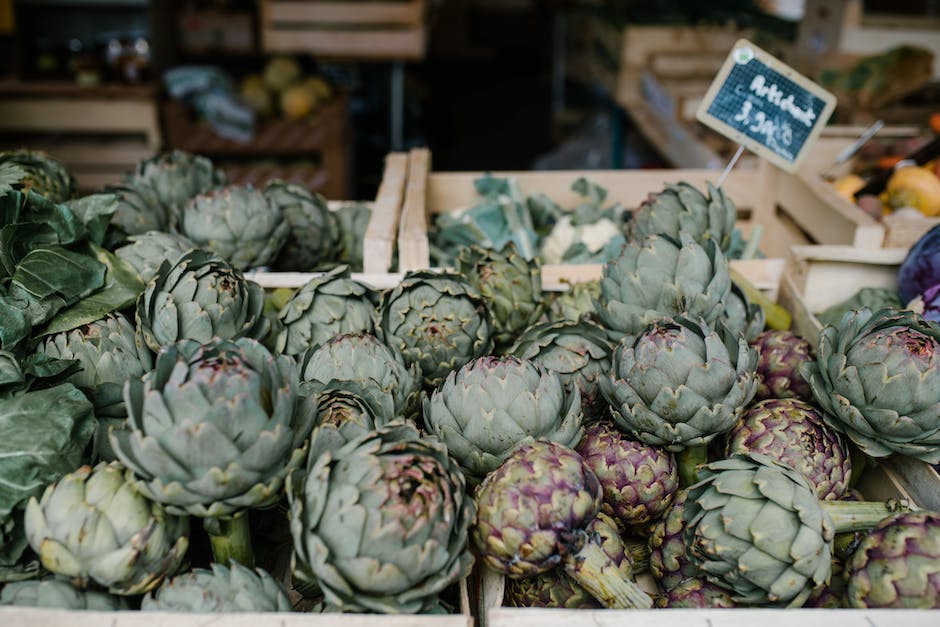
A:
122, 286
20, 208
17, 240
50, 279
95, 212
14, 324
11, 375
10, 175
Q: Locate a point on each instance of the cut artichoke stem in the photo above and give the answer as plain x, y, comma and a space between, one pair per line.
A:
639, 553
861, 515
688, 462
230, 539
599, 575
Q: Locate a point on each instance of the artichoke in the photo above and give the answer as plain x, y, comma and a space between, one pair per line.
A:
198, 298
327, 306
877, 378
176, 177
832, 595
381, 523
510, 285
669, 559
353, 220
437, 320
236, 222
57, 593
695, 593
794, 433
349, 413
492, 404
681, 208
897, 565
679, 384
575, 302
780, 355
532, 516
639, 481
662, 277
94, 525
215, 428
44, 175
755, 527
138, 209
741, 316
874, 298
232, 588
361, 364
578, 351
147, 252
314, 239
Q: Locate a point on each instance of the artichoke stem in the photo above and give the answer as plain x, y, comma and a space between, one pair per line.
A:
688, 462
639, 553
860, 516
597, 573
231, 539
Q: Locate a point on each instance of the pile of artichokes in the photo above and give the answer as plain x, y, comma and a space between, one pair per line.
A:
203, 446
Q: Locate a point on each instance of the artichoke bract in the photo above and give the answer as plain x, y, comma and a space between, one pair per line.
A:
681, 208
353, 219
661, 277
877, 378
510, 284
314, 239
578, 351
874, 298
576, 302
147, 252
93, 525
897, 564
670, 563
638, 480
532, 516
437, 320
57, 593
679, 383
755, 527
362, 364
236, 222
493, 404
794, 433
741, 316
780, 355
139, 209
44, 175
176, 177
326, 306
695, 593
200, 297
381, 523
232, 588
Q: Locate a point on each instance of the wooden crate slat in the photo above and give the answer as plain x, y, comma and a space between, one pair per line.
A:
405, 13
103, 153
413, 250
377, 44
382, 230
81, 116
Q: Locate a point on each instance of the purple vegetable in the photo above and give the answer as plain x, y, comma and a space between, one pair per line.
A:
932, 303
921, 267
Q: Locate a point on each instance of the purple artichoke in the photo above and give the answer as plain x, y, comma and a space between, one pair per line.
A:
931, 297
696, 593
779, 355
897, 565
794, 433
832, 595
638, 480
919, 270
533, 514
669, 559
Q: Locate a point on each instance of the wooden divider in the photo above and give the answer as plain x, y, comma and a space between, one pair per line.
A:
382, 230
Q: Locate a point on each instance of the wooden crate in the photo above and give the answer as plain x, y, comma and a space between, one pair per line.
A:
98, 132
370, 30
24, 616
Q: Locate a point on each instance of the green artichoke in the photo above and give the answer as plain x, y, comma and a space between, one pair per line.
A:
755, 527
327, 306
176, 177
877, 378
232, 588
695, 593
662, 277
57, 593
198, 298
741, 316
679, 384
832, 595
578, 351
360, 363
437, 320
669, 560
681, 208
510, 285
493, 404
139, 209
381, 523
349, 413
236, 222
93, 525
874, 298
575, 302
897, 565
780, 354
147, 252
214, 429
794, 433
314, 239
639, 481
353, 219
44, 175
532, 516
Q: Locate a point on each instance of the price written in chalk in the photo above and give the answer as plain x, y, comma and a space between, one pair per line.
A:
766, 106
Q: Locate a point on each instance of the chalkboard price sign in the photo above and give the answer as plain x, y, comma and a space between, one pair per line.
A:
766, 106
